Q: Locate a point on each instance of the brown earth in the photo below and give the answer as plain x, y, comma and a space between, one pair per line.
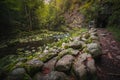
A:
109, 62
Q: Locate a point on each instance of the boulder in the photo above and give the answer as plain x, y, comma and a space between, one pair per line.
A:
94, 49
86, 35
78, 38
18, 71
68, 51
64, 64
94, 37
54, 75
84, 56
74, 52
91, 65
76, 44
80, 70
33, 66
18, 74
50, 64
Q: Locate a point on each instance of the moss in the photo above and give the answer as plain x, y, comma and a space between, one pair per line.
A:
7, 63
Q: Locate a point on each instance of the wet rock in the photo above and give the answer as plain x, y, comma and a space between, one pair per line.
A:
94, 49
33, 66
64, 64
54, 75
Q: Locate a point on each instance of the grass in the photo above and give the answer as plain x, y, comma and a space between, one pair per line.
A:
116, 32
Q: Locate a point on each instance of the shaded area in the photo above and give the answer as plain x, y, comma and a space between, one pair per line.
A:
109, 63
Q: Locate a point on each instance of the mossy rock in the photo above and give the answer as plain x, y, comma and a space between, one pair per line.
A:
33, 66
76, 44
94, 49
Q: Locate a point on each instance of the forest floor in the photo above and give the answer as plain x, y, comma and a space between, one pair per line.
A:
109, 65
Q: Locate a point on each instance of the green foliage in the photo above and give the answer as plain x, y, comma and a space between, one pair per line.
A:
90, 9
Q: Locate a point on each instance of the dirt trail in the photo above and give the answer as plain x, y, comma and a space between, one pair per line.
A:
109, 64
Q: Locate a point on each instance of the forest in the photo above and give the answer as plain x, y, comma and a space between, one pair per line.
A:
59, 40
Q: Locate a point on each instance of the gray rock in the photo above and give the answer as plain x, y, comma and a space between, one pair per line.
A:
94, 49
54, 75
18, 74
84, 56
18, 71
40, 76
86, 35
78, 38
91, 66
64, 64
80, 70
76, 44
93, 30
50, 64
94, 33
34, 65
94, 37
74, 52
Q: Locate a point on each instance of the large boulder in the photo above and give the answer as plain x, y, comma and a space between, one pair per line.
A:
64, 64
54, 75
33, 66
94, 49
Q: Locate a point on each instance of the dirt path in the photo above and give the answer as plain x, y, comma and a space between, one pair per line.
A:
109, 65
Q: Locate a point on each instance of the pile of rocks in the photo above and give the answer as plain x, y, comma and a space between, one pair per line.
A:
75, 58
